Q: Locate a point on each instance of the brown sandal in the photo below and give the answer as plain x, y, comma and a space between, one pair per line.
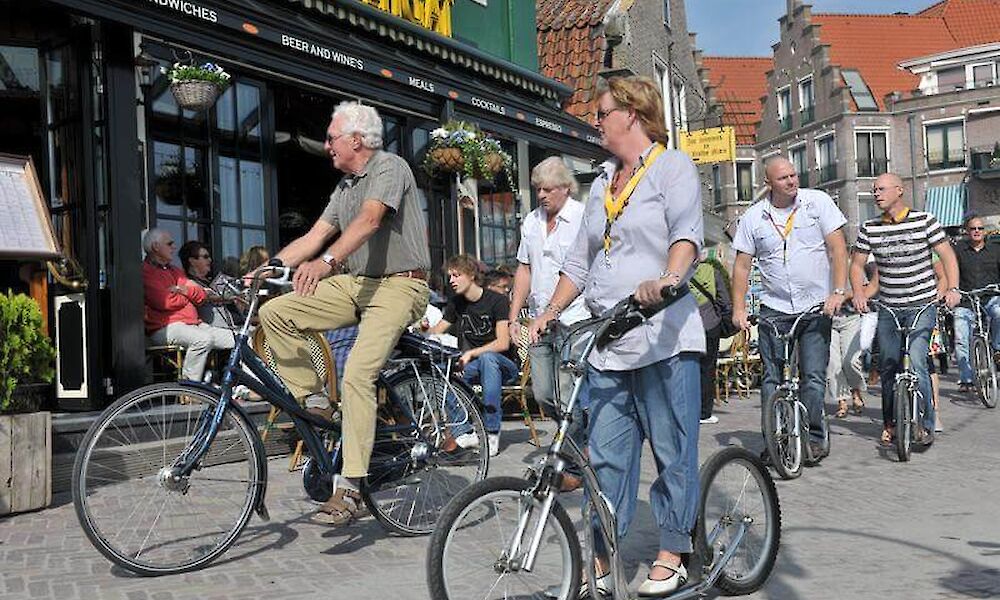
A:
858, 407
887, 437
841, 409
342, 508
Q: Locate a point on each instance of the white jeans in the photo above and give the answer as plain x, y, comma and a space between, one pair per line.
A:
199, 340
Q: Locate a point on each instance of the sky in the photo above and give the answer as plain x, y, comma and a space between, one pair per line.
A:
750, 27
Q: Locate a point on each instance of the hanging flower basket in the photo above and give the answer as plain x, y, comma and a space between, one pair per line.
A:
460, 147
448, 160
195, 95
197, 87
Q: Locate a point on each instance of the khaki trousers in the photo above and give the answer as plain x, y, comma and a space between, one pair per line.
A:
382, 308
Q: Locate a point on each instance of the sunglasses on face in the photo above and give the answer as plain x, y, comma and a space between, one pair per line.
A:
204, 256
977, 228
603, 114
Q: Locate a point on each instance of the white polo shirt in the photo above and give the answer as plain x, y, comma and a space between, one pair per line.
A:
545, 253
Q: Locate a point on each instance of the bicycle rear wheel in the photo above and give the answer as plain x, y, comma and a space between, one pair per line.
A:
130, 505
903, 398
784, 444
986, 372
469, 553
410, 479
737, 492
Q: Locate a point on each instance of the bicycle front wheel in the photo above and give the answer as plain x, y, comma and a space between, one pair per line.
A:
737, 493
410, 478
903, 397
986, 372
784, 442
132, 507
478, 548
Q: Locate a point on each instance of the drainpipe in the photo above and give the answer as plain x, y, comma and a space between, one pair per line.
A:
913, 164
510, 29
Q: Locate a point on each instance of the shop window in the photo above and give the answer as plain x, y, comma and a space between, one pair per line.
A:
499, 226
785, 109
798, 159
826, 159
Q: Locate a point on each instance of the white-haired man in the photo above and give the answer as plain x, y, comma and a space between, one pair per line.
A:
172, 301
547, 234
383, 248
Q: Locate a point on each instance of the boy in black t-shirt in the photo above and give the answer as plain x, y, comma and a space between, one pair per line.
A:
480, 318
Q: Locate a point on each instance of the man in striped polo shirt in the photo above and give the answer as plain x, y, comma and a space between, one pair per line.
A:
902, 241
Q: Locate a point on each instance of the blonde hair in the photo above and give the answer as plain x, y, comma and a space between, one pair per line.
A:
641, 95
553, 171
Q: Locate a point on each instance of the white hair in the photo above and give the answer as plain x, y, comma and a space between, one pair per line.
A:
553, 171
151, 237
361, 119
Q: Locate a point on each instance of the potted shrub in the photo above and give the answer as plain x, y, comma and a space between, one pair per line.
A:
460, 147
26, 359
196, 87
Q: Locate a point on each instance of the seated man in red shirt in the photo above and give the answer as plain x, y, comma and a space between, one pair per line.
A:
171, 307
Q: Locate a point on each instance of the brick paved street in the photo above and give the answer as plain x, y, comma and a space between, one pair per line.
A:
859, 526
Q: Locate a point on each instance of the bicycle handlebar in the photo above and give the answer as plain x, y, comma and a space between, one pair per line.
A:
893, 310
992, 288
755, 319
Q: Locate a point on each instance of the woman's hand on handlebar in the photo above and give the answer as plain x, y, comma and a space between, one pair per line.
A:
650, 293
860, 302
539, 326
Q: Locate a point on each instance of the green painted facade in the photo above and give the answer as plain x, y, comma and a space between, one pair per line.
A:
503, 28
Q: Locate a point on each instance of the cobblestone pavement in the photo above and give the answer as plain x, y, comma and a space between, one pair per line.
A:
859, 526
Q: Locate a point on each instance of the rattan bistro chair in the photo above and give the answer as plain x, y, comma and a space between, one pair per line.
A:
322, 359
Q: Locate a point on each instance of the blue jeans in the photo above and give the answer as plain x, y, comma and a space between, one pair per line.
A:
891, 360
492, 371
964, 319
546, 375
814, 355
661, 403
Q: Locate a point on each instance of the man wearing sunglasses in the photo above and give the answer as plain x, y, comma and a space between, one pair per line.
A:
978, 266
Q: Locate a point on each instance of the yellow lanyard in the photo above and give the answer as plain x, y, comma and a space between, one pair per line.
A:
785, 233
615, 206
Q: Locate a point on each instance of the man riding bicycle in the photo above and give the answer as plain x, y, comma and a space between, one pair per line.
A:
798, 240
383, 247
902, 241
978, 266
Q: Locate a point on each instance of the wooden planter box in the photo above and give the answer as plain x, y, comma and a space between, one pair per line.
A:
25, 462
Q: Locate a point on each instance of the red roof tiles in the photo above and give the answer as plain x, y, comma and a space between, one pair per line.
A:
876, 44
571, 48
739, 83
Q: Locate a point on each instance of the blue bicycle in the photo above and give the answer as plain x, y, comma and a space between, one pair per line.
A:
168, 476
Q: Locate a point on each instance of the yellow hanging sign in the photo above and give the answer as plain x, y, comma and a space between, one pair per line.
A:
713, 145
434, 15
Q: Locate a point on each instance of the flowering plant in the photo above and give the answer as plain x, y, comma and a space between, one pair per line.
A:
209, 72
459, 146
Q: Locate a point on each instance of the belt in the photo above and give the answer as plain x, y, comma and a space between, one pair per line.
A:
413, 274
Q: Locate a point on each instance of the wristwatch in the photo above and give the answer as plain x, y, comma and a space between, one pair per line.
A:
840, 291
330, 260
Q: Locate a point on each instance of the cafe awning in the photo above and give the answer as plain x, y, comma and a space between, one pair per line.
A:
948, 203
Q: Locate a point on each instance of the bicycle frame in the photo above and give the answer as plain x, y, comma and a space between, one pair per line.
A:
983, 325
270, 387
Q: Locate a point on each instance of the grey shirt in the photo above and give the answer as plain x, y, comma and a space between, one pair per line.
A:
400, 244
664, 208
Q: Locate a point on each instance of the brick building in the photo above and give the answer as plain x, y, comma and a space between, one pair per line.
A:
582, 40
840, 105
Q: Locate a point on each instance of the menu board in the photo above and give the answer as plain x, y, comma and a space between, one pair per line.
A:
25, 227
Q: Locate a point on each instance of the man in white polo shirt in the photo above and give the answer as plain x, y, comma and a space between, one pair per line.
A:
547, 234
797, 237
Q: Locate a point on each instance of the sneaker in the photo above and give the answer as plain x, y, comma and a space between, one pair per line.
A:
712, 420
817, 452
493, 441
467, 440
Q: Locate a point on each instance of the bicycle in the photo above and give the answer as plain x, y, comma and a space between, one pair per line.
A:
168, 476
907, 397
984, 369
785, 418
508, 537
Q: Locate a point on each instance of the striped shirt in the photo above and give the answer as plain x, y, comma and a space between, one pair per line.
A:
903, 256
